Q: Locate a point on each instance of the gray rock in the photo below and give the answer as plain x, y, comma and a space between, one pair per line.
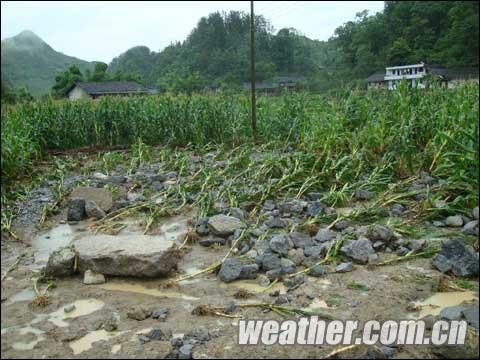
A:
454, 221
102, 197
251, 254
61, 262
294, 281
76, 210
160, 314
451, 313
296, 255
276, 223
458, 258
341, 225
378, 245
223, 225
373, 259
344, 267
114, 179
471, 228
475, 213
301, 240
271, 261
269, 205
231, 307
287, 266
315, 208
274, 274
314, 196
363, 195
358, 250
281, 244
317, 271
280, 300
397, 209
135, 197
382, 233
131, 256
438, 223
93, 210
156, 334
139, 313
92, 278
263, 280
471, 314
324, 235
416, 245
69, 308
212, 241
200, 334
402, 251
233, 269
426, 179
313, 251
238, 213
185, 352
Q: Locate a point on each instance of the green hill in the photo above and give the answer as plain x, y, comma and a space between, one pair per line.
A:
28, 61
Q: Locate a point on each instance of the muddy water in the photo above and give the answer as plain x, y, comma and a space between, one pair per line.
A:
253, 286
82, 308
85, 343
44, 245
26, 331
434, 304
24, 295
119, 285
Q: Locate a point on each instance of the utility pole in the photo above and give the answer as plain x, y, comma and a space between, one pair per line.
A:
252, 70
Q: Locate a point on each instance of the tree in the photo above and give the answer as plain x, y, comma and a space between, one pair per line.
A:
66, 80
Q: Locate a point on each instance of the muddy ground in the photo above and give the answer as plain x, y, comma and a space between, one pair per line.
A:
28, 331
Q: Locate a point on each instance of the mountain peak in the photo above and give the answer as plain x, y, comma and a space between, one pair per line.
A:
28, 35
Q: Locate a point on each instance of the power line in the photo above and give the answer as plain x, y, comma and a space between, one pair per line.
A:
300, 4
287, 10
282, 5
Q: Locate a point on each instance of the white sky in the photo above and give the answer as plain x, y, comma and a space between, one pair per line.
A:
96, 30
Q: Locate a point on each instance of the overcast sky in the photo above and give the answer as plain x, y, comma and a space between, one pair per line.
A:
95, 30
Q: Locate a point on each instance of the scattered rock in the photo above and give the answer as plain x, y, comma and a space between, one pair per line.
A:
379, 232
324, 235
301, 240
341, 225
185, 352
160, 314
93, 210
438, 223
454, 221
233, 269
470, 313
224, 225
271, 261
416, 245
61, 262
69, 308
475, 213
458, 258
402, 251
202, 228
276, 223
135, 197
131, 256
471, 228
269, 205
296, 255
358, 250
238, 213
274, 274
263, 280
317, 271
280, 300
139, 313
287, 266
451, 313
363, 195
313, 251
200, 334
102, 197
397, 209
212, 241
344, 267
92, 278
281, 244
315, 208
76, 210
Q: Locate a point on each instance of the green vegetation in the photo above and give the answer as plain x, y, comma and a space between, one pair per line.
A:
312, 143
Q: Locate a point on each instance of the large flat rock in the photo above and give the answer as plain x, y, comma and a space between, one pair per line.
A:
127, 255
101, 197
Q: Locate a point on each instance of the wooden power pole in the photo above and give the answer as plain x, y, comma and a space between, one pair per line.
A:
252, 69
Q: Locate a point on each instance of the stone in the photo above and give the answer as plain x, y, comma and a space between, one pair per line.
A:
212, 241
269, 205
271, 261
471, 228
313, 251
202, 228
160, 314
287, 266
233, 269
139, 313
114, 179
341, 225
314, 196
102, 197
276, 223
454, 221
475, 213
135, 197
238, 213
416, 245
379, 232
458, 258
471, 314
280, 300
130, 256
92, 278
397, 209
224, 225
111, 322
438, 223
378, 245
373, 259
426, 179
69, 308
251, 254
231, 307
301, 240
200, 334
263, 280
281, 244
296, 255
358, 250
344, 267
93, 210
402, 251
363, 195
317, 271
61, 262
451, 313
324, 235
185, 351
315, 208
76, 210
294, 281
274, 274
156, 334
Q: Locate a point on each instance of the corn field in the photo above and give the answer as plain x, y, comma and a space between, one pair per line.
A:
350, 136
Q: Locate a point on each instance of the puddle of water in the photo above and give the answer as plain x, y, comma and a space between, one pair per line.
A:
140, 289
254, 287
116, 348
26, 345
434, 304
82, 308
44, 245
24, 295
85, 343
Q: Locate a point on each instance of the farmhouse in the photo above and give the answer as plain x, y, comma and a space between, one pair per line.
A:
417, 74
93, 90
